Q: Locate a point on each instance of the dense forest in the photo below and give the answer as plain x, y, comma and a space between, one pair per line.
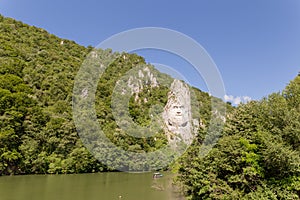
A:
37, 131
257, 156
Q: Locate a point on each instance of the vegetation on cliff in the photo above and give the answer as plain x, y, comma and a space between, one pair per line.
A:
37, 131
256, 157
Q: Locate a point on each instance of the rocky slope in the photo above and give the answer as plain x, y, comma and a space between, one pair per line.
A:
37, 130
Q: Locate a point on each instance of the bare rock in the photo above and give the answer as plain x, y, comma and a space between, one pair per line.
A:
177, 115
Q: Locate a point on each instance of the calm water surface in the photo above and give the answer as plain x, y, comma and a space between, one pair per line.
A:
102, 186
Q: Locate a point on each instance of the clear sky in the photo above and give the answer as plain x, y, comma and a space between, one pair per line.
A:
254, 43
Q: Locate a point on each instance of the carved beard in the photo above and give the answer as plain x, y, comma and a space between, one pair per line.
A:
177, 123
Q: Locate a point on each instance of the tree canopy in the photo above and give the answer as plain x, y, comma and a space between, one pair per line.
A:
258, 156
37, 130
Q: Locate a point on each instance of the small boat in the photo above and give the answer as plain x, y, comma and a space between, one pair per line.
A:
157, 175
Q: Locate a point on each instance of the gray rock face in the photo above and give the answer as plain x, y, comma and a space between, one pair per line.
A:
177, 115
176, 118
136, 82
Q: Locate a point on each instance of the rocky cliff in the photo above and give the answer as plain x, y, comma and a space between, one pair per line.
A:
176, 117
178, 123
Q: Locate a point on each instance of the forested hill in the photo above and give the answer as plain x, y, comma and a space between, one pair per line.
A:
36, 73
258, 156
37, 132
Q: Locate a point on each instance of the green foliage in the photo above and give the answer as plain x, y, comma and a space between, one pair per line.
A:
257, 157
37, 131
37, 134
147, 99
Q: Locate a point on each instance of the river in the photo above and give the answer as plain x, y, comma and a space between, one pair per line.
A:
99, 186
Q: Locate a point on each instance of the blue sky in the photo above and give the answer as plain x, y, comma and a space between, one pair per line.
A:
255, 44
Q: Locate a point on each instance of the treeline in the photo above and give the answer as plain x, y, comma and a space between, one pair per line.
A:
37, 134
258, 156
37, 130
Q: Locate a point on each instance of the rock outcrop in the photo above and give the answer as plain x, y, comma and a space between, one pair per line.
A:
178, 124
177, 115
144, 77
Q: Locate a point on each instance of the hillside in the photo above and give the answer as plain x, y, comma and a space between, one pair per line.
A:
53, 104
37, 131
258, 156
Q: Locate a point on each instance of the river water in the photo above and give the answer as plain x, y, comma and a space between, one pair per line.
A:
100, 186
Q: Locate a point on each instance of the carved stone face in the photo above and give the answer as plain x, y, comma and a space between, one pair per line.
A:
177, 110
177, 114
